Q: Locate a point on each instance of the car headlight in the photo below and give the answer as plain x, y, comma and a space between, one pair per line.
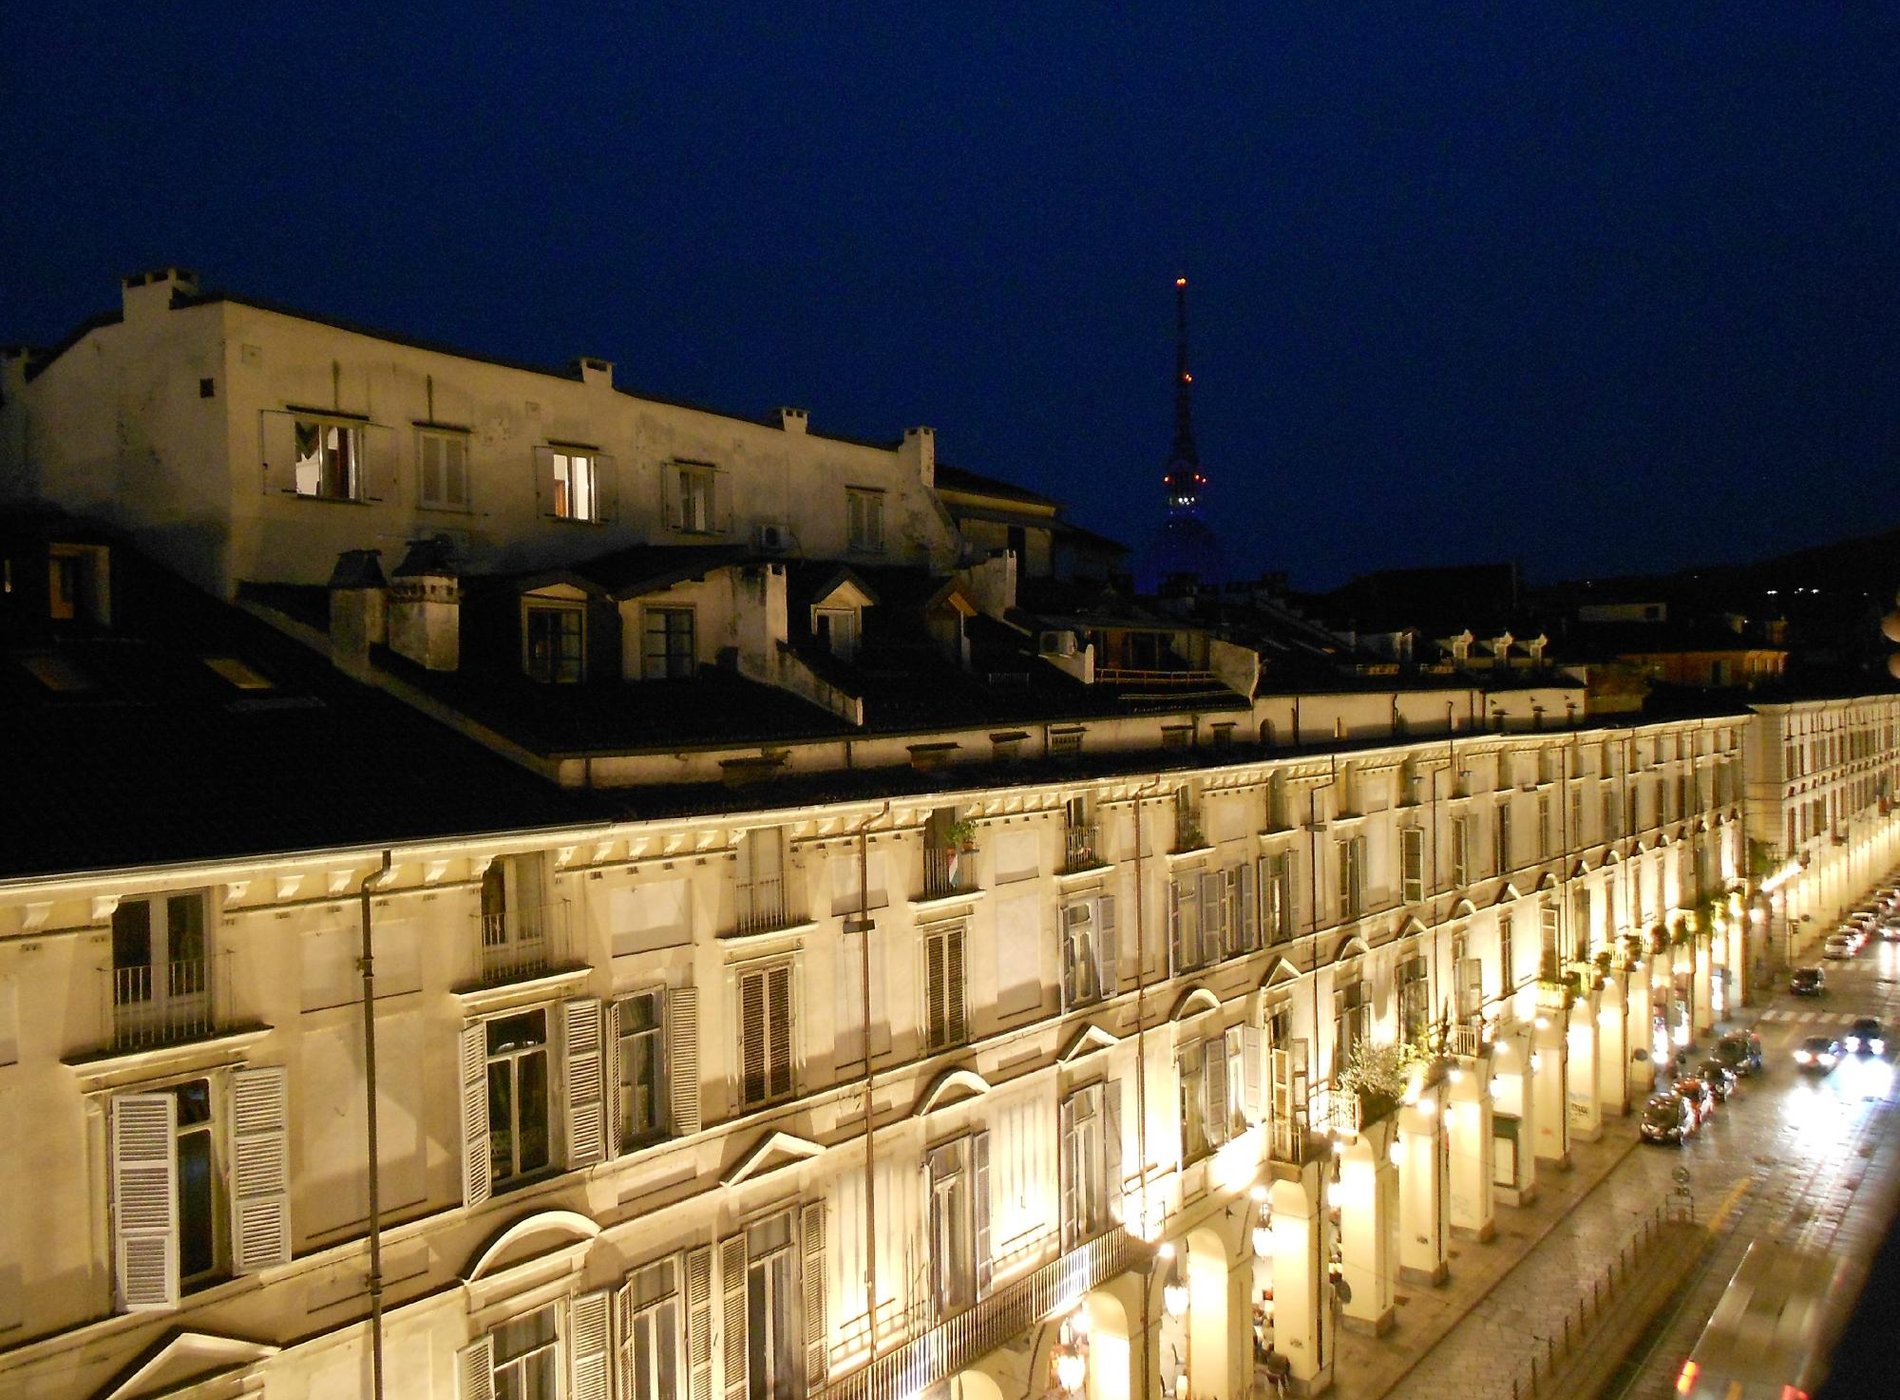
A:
1802, 1057
1827, 1059
1879, 1047
1853, 1042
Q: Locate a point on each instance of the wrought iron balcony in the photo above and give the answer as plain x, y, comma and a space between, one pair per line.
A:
765, 905
1079, 848
1189, 835
1467, 1039
1009, 1312
162, 1003
948, 871
523, 943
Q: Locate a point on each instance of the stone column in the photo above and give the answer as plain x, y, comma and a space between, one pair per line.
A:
1367, 1196
1639, 1017
1613, 1082
1514, 1115
1468, 1128
1584, 1089
1302, 1292
1704, 962
1424, 1186
1550, 1086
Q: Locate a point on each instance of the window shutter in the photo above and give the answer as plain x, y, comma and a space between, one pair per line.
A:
612, 1129
957, 1009
936, 995
277, 435
379, 471
260, 1143
588, 1347
1342, 860
145, 1200
817, 1329
1065, 1168
980, 1211
1250, 1055
1249, 913
732, 1270
476, 1362
477, 1179
544, 480
1174, 929
699, 1323
580, 1040
606, 487
432, 462
672, 499
752, 1038
1213, 909
682, 1058
1112, 1149
1105, 945
1214, 1087
778, 984
625, 1297
1068, 955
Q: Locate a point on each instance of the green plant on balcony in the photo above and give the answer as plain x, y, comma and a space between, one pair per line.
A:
1377, 1075
960, 834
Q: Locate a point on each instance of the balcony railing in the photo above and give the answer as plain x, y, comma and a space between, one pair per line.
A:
948, 871
1006, 1314
1343, 1115
521, 943
1189, 835
1288, 1139
1079, 848
1467, 1038
764, 906
157, 1004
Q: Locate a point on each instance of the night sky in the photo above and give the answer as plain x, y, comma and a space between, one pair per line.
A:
1600, 289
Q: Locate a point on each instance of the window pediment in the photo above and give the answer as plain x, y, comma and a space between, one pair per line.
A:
1279, 975
774, 1150
1352, 946
1195, 1001
953, 1086
183, 1357
1086, 1041
530, 1238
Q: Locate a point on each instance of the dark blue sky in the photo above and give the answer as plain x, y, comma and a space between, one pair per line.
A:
1598, 288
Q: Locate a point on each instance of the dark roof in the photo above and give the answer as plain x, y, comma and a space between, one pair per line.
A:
164, 760
951, 478
638, 569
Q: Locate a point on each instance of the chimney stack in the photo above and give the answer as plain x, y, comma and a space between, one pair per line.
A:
425, 607
147, 293
358, 617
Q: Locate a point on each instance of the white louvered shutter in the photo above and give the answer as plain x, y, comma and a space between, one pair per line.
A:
1249, 913
1213, 917
936, 1000
980, 1210
477, 1170
625, 1298
588, 1347
1175, 962
475, 1364
1112, 1149
732, 1268
956, 1008
699, 1323
1106, 948
612, 1129
378, 474
260, 1149
1066, 954
586, 1113
778, 984
145, 1201
1065, 1170
1251, 1052
752, 1051
817, 1328
1214, 1087
682, 1058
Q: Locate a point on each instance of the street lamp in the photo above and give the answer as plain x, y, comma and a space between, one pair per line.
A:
1174, 1293
1069, 1358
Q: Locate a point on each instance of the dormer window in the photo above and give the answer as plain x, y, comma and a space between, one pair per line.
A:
837, 631
76, 584
666, 644
554, 643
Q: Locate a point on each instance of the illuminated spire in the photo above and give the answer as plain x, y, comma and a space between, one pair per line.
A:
1184, 480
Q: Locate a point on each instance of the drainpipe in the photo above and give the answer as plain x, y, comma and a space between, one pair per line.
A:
870, 1110
371, 883
1141, 1088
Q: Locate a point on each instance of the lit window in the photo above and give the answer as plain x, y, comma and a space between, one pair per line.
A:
328, 460
555, 645
517, 1096
575, 497
692, 498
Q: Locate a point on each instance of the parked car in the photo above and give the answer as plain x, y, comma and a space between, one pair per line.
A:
1865, 1037
1698, 1095
1718, 1076
1740, 1051
1840, 945
1808, 981
1668, 1118
1819, 1053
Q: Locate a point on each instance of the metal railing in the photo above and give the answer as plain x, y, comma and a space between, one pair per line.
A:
948, 871
522, 943
764, 906
1136, 675
1287, 1137
1466, 1039
1006, 1314
1189, 835
156, 1004
1343, 1114
1078, 848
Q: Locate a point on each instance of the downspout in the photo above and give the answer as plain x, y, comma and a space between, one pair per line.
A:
870, 1109
1141, 1089
371, 883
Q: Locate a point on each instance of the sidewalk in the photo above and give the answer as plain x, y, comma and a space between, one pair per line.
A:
1457, 1339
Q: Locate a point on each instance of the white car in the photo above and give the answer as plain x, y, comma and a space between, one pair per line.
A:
1840, 945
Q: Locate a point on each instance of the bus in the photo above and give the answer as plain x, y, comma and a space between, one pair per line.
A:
1770, 1336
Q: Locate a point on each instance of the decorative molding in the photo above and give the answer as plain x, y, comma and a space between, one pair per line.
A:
571, 1226
952, 1086
1195, 1001
757, 1159
288, 885
104, 906
1086, 1041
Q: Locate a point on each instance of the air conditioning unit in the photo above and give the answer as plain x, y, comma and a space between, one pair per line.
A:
774, 538
1058, 644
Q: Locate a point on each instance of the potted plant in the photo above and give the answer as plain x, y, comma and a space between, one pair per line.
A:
960, 835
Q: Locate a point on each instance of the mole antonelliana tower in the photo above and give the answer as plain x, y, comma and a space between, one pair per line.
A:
1186, 544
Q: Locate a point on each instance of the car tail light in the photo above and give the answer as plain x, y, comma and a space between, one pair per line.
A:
1686, 1381
1793, 1392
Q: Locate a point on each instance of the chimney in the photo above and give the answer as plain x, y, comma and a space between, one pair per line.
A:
919, 453
425, 607
357, 603
595, 371
146, 293
793, 420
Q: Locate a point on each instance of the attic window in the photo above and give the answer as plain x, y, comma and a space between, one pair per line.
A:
1007, 747
1176, 736
837, 631
1065, 743
238, 673
1222, 735
59, 673
207, 388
